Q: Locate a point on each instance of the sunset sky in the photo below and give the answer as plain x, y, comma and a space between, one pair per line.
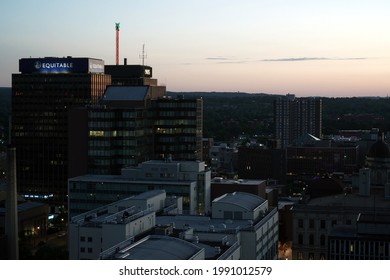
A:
303, 47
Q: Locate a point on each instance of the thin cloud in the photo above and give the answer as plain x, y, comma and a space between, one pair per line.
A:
220, 58
293, 59
226, 60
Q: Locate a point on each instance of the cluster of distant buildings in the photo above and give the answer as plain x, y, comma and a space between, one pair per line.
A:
138, 180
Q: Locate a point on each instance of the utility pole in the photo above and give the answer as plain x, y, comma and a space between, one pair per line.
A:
11, 214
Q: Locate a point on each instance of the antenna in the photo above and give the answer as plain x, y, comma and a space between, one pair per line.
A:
117, 42
143, 55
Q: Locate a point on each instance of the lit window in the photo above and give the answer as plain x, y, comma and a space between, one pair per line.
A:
96, 133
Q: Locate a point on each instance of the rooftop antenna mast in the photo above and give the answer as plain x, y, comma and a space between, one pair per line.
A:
143, 55
117, 42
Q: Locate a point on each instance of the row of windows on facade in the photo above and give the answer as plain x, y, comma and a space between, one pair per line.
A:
312, 240
108, 144
176, 130
300, 256
111, 115
176, 113
126, 151
116, 133
322, 223
270, 253
105, 153
128, 124
354, 249
175, 105
180, 139
133, 142
123, 189
141, 123
89, 250
139, 114
271, 231
58, 134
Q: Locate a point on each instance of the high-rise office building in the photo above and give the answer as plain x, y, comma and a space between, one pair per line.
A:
177, 125
132, 124
116, 133
295, 117
42, 94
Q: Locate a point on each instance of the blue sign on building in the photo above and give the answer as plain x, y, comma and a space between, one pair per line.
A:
57, 65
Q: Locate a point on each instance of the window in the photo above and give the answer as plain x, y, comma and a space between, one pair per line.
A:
89, 239
96, 133
82, 250
311, 239
82, 238
322, 240
300, 239
311, 223
300, 223
89, 250
323, 224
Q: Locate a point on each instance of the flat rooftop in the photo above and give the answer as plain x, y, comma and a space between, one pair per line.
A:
245, 200
204, 224
348, 201
122, 179
218, 180
24, 206
158, 247
104, 214
125, 93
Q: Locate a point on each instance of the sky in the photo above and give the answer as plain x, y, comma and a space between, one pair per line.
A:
332, 48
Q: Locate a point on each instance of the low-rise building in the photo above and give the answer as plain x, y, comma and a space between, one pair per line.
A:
314, 220
32, 219
221, 186
369, 239
187, 179
243, 222
240, 226
223, 159
97, 230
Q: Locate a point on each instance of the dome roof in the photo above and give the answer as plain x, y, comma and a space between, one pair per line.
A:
379, 149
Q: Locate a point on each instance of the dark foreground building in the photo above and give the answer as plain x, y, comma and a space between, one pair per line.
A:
42, 94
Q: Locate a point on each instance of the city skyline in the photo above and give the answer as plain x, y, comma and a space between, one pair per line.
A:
307, 48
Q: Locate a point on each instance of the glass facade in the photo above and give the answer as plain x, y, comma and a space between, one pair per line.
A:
40, 104
116, 138
177, 128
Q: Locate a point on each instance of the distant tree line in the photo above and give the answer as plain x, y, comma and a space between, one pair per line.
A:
228, 115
